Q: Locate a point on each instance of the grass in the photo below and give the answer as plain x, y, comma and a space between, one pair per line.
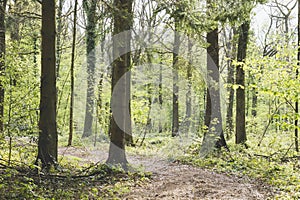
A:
283, 175
21, 179
273, 163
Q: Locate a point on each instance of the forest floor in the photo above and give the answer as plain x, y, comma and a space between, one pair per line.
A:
172, 180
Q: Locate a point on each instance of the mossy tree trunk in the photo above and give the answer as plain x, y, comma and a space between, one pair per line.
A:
2, 59
90, 10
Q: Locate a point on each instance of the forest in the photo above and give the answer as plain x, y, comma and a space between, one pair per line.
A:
149, 99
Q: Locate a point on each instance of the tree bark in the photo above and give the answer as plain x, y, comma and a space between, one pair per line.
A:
254, 102
240, 80
15, 29
213, 136
160, 97
188, 101
231, 48
90, 9
72, 77
47, 144
58, 36
297, 74
175, 115
120, 120
2, 60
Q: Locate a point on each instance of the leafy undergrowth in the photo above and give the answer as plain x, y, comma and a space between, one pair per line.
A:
278, 170
21, 179
95, 182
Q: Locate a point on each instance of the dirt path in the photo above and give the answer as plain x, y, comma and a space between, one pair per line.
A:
176, 181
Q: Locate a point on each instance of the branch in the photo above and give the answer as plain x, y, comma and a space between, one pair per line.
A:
290, 103
269, 122
28, 15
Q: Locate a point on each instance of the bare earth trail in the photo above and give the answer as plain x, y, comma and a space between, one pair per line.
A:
177, 181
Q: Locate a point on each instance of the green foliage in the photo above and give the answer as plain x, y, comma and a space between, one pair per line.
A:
274, 80
70, 180
22, 88
233, 12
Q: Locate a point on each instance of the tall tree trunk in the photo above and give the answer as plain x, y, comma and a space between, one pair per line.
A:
240, 133
247, 94
254, 102
58, 36
120, 120
188, 103
15, 29
2, 60
90, 9
231, 47
149, 97
149, 87
101, 116
297, 74
214, 136
72, 76
175, 119
160, 97
47, 144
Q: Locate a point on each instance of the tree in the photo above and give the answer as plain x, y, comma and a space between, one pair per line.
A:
188, 100
175, 116
120, 125
297, 74
160, 93
2, 58
72, 76
240, 133
90, 10
58, 35
214, 135
47, 142
230, 54
15, 23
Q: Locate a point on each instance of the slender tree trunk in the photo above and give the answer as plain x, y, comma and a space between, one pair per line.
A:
90, 9
297, 74
229, 115
47, 144
15, 28
102, 110
160, 97
149, 91
254, 102
188, 102
240, 80
120, 119
2, 60
149, 95
58, 36
100, 115
175, 119
231, 46
72, 77
35, 60
214, 136
247, 94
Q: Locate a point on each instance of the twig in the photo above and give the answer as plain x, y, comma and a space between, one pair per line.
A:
269, 123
